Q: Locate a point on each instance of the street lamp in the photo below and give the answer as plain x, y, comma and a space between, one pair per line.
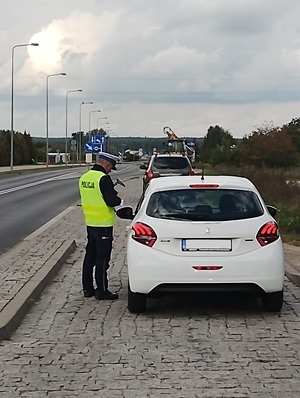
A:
12, 102
107, 131
47, 114
66, 139
98, 110
100, 118
101, 124
79, 141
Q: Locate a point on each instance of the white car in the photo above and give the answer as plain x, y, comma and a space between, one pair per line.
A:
206, 234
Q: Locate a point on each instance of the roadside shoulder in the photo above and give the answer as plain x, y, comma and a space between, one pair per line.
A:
292, 262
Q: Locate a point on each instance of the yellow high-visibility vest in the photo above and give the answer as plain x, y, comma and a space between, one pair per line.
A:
95, 210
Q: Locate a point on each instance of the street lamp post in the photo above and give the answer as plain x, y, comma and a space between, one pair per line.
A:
66, 139
47, 114
107, 131
101, 124
98, 110
79, 141
12, 103
100, 118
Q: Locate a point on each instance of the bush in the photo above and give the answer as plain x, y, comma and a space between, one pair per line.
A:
279, 188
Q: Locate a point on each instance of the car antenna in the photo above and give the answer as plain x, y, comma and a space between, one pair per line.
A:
202, 173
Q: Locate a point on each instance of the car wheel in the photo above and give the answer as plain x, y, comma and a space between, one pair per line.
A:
272, 302
137, 302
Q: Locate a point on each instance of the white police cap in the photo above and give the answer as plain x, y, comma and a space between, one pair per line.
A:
109, 157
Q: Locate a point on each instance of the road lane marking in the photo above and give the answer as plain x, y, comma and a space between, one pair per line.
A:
32, 184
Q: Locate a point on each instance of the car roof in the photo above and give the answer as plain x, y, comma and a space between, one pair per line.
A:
179, 182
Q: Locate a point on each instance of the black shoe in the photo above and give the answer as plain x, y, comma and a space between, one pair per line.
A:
89, 294
106, 296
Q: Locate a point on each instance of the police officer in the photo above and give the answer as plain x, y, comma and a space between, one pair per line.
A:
98, 199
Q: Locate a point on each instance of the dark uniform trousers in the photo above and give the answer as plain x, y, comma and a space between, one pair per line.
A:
98, 252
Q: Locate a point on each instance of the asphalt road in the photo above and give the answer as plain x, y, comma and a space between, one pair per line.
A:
28, 201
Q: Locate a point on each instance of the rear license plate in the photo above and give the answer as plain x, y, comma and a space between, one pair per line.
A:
212, 245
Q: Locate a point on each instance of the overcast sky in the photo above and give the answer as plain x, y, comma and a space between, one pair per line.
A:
146, 64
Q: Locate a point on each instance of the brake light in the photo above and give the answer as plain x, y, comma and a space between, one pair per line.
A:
191, 172
143, 234
204, 186
207, 267
149, 174
268, 233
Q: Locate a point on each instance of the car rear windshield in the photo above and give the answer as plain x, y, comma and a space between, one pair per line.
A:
170, 162
205, 204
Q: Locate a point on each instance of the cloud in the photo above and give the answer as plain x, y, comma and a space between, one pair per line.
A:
177, 59
73, 40
193, 63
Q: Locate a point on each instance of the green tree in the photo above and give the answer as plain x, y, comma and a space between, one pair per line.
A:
217, 145
4, 148
268, 146
293, 130
24, 149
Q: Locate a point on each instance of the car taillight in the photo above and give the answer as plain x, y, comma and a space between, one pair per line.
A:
191, 172
268, 233
149, 174
143, 234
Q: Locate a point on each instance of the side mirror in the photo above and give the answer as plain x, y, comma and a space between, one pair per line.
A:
143, 167
272, 210
125, 213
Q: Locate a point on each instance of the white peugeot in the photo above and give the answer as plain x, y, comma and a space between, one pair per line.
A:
203, 233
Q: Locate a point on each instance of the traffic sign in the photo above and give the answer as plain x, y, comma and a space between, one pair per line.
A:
98, 139
91, 147
97, 148
88, 147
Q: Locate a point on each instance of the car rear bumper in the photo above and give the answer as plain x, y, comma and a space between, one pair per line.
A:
247, 288
150, 270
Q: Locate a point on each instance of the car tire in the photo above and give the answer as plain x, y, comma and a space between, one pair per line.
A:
137, 302
272, 302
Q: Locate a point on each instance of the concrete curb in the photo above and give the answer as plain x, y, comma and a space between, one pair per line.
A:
292, 274
13, 313
292, 263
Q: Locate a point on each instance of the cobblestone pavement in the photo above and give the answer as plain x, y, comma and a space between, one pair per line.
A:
69, 346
